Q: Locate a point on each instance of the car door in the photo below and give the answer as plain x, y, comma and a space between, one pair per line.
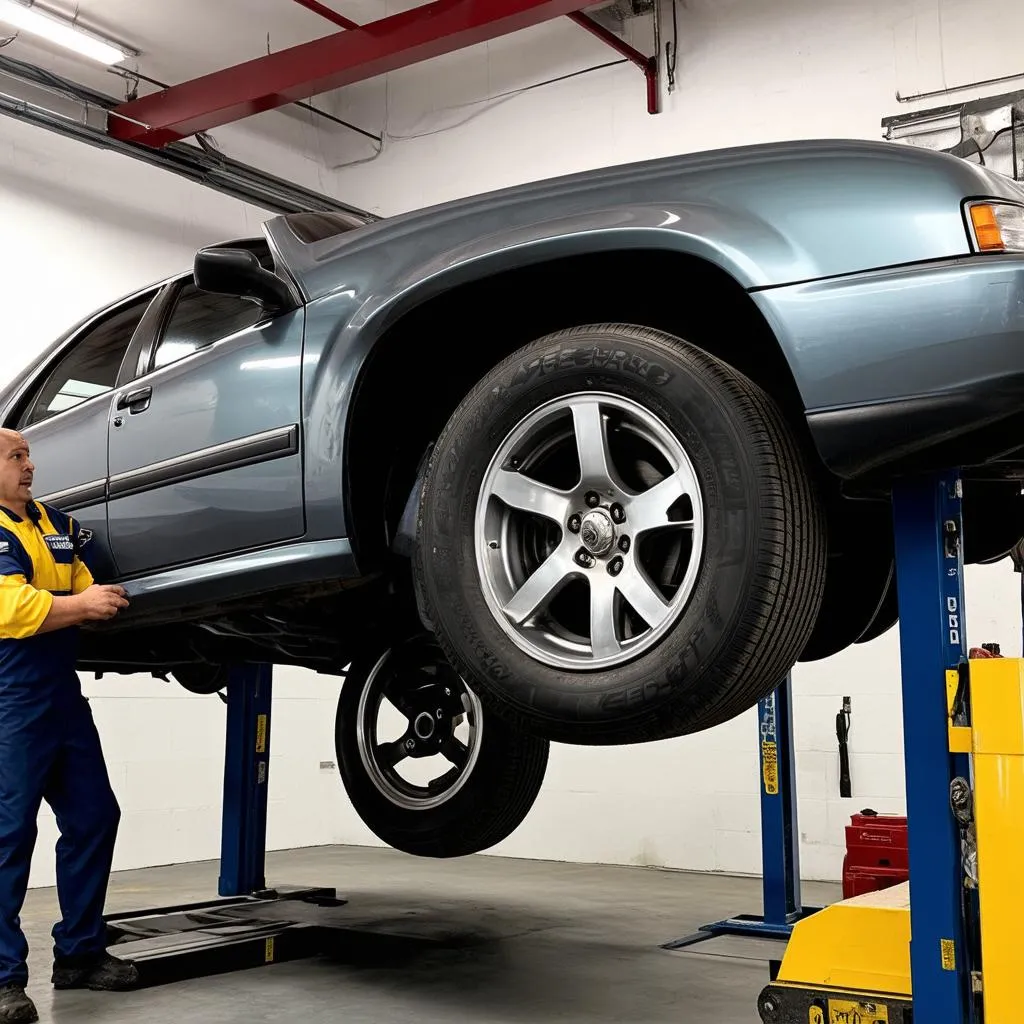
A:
204, 443
64, 417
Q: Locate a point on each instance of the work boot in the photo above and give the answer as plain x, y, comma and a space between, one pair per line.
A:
15, 1006
104, 973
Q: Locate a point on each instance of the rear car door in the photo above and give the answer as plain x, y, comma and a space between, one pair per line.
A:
204, 443
64, 417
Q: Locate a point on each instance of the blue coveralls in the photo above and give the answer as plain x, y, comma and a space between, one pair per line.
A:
49, 747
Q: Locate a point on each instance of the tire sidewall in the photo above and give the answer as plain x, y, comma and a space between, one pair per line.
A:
681, 394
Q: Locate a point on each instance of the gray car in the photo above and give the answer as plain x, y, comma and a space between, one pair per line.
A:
599, 457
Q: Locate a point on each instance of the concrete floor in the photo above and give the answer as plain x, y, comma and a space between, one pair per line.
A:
492, 940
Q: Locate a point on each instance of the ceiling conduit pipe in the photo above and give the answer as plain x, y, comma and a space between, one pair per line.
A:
213, 170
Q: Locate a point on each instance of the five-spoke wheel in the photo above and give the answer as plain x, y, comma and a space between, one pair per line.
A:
589, 573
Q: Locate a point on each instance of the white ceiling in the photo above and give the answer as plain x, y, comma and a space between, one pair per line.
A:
187, 38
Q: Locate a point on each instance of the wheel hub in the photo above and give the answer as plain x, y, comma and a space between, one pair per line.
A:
423, 726
433, 714
597, 532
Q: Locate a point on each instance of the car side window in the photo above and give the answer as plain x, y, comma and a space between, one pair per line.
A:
199, 319
91, 367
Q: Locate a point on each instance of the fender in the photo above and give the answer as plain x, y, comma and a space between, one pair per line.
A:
769, 216
344, 325
745, 246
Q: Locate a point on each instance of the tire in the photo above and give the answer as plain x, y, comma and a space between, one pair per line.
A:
861, 568
480, 805
741, 609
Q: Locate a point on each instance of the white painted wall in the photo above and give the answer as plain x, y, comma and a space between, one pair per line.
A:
746, 72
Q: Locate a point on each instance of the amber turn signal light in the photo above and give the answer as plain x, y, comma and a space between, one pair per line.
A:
987, 232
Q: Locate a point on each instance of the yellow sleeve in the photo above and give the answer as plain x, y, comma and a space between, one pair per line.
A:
23, 608
81, 578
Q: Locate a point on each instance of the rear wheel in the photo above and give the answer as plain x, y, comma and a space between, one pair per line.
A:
426, 769
619, 538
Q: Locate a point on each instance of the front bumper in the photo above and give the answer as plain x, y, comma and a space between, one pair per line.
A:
913, 367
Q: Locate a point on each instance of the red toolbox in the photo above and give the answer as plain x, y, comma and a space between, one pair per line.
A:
876, 853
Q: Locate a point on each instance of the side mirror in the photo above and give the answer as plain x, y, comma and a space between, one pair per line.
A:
239, 272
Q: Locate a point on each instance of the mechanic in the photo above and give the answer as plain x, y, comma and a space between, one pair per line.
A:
49, 747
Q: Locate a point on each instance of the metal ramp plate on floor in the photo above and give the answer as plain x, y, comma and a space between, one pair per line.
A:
251, 925
195, 940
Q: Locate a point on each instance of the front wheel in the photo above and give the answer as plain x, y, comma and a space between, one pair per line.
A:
619, 538
427, 770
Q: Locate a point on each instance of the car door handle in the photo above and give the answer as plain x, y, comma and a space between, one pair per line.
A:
136, 400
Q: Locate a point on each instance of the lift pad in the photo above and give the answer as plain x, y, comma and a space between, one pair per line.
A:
847, 964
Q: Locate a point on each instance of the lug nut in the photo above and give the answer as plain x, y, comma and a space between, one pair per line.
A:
618, 513
585, 558
410, 744
593, 499
624, 544
439, 713
615, 566
575, 522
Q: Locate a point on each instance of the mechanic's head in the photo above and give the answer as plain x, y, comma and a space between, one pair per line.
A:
16, 470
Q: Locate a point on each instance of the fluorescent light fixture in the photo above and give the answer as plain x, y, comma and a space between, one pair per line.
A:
59, 31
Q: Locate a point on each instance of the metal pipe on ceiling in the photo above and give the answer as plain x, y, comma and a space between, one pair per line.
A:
332, 62
205, 167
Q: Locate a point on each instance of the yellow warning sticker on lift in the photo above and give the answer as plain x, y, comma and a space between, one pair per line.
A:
770, 768
268, 953
948, 948
842, 1012
261, 734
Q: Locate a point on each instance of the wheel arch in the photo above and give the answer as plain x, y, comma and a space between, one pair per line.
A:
687, 285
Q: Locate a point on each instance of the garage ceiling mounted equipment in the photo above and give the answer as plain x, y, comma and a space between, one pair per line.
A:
56, 29
340, 59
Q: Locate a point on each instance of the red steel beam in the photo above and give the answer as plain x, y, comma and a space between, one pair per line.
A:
325, 12
337, 60
648, 65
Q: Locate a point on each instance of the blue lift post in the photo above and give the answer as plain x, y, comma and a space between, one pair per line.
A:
250, 925
246, 781
780, 847
929, 576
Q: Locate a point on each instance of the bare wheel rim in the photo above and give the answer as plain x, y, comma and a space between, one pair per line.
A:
589, 531
424, 763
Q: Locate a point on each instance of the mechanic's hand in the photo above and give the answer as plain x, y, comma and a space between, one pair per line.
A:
102, 602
